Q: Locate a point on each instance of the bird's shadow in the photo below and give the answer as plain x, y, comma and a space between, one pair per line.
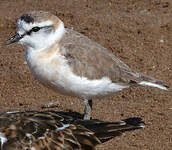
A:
73, 116
78, 116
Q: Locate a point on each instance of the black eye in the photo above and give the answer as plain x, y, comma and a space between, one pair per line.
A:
36, 29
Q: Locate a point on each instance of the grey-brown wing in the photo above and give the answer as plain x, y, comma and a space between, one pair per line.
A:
91, 60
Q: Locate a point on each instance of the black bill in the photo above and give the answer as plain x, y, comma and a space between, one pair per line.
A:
13, 39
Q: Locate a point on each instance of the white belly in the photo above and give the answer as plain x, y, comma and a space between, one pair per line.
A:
56, 74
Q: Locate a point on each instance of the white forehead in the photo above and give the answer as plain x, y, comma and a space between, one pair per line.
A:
28, 26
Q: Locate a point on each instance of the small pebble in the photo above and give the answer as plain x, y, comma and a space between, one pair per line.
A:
161, 41
25, 63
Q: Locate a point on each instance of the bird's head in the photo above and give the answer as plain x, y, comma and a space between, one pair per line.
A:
37, 30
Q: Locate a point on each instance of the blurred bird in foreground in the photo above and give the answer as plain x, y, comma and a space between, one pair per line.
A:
50, 130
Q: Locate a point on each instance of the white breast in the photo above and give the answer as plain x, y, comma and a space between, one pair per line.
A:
54, 72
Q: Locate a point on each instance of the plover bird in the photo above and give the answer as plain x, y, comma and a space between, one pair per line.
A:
71, 63
50, 130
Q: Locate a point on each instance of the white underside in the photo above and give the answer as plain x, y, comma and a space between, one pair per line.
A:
87, 89
55, 73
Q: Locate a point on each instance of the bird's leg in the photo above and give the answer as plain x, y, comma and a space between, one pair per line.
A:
88, 107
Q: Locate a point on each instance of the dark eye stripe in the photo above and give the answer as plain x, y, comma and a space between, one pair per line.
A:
35, 29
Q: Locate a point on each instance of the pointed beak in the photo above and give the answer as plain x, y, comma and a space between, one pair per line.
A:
13, 39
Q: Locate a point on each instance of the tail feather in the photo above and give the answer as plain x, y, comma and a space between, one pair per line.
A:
145, 83
149, 81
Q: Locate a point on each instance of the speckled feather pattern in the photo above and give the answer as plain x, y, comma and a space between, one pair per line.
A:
50, 130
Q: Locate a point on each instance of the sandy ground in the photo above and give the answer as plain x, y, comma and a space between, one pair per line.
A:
138, 32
